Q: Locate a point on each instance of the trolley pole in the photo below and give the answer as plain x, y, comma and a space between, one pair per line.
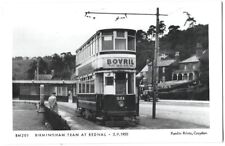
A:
156, 51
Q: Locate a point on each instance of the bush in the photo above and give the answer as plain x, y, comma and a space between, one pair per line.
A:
186, 94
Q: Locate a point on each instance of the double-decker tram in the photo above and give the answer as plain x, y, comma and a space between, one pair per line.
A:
105, 70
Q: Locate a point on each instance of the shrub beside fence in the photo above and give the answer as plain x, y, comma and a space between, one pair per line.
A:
186, 94
56, 121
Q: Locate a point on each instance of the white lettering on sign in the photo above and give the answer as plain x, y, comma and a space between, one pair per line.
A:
120, 61
120, 98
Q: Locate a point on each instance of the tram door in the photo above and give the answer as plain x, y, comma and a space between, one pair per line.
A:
109, 87
120, 83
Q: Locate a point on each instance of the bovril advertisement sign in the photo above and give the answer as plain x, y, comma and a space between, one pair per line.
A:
119, 62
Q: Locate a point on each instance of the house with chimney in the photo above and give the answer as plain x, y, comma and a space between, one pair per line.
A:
189, 69
172, 69
166, 66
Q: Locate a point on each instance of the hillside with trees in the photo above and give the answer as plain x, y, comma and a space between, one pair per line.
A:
172, 39
175, 40
63, 66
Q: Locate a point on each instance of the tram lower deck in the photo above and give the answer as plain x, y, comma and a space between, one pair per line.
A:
114, 96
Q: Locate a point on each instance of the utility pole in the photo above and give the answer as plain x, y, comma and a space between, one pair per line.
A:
156, 51
155, 69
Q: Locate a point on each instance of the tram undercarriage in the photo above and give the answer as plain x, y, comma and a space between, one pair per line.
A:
110, 121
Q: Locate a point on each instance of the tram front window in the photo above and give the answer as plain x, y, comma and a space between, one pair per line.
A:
109, 81
120, 44
130, 83
120, 83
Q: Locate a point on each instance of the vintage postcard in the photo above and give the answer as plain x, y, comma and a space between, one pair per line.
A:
112, 72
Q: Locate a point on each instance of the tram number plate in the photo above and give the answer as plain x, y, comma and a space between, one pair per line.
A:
120, 98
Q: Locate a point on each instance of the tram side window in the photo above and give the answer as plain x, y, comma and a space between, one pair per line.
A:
80, 88
91, 48
97, 44
94, 47
83, 87
87, 87
92, 86
99, 83
107, 42
109, 81
131, 43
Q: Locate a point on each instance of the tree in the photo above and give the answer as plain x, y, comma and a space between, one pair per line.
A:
141, 36
162, 27
69, 64
152, 30
190, 20
63, 65
43, 68
145, 49
173, 29
56, 64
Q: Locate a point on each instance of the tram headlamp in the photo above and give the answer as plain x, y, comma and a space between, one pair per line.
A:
121, 103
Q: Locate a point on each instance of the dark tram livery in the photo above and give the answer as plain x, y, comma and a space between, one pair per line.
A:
106, 68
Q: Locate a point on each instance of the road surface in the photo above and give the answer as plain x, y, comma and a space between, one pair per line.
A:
169, 115
26, 117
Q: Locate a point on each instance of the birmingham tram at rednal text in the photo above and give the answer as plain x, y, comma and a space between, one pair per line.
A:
105, 70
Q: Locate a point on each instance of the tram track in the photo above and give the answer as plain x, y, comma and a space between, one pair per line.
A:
68, 112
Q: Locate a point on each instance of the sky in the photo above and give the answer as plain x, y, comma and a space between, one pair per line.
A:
41, 28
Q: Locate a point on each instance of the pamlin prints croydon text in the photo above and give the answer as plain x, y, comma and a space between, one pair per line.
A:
189, 133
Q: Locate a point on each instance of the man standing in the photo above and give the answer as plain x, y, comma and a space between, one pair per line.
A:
70, 97
53, 102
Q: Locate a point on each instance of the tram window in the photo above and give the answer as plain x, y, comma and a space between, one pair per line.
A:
92, 87
89, 50
107, 43
97, 45
132, 33
87, 87
131, 43
120, 83
79, 87
107, 33
83, 87
120, 44
99, 83
109, 81
94, 46
130, 83
120, 34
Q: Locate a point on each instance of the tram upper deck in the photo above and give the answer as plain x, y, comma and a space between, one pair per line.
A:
108, 48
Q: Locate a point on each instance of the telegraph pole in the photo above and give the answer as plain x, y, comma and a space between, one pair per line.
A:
155, 68
156, 51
